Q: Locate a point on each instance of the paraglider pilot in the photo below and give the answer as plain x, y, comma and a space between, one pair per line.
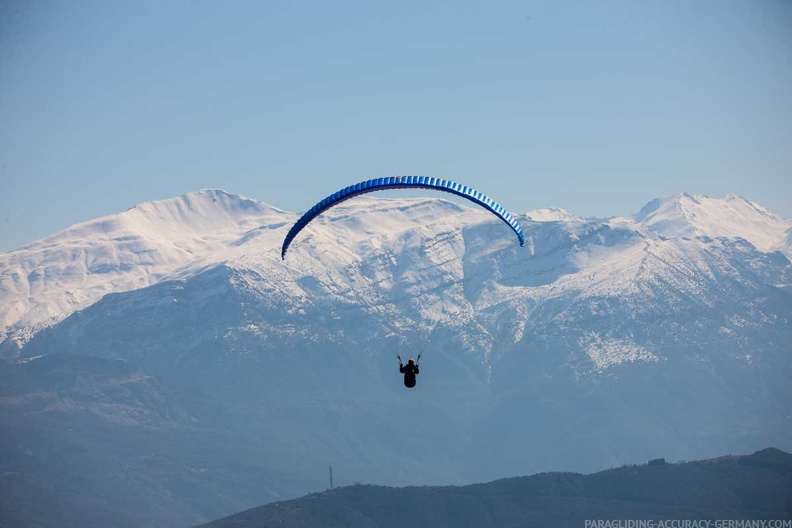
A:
410, 370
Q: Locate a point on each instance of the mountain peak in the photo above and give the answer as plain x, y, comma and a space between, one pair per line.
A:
148, 243
692, 215
552, 214
205, 203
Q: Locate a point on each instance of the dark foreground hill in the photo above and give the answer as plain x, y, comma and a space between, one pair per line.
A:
755, 487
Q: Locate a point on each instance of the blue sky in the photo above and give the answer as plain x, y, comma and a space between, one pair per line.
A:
593, 106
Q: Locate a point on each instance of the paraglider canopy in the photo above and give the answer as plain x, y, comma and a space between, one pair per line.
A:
403, 182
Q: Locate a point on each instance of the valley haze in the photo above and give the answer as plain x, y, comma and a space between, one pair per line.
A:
166, 367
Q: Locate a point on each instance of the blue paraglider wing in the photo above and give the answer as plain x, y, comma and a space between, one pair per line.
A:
402, 182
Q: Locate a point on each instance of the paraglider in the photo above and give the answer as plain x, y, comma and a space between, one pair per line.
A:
410, 370
402, 182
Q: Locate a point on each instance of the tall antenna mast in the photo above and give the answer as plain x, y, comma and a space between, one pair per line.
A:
331, 477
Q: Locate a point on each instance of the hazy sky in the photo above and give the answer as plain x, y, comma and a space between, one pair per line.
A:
594, 106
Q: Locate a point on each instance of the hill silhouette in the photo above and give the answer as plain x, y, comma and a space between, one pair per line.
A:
755, 487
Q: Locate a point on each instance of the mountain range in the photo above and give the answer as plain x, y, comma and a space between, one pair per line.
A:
166, 367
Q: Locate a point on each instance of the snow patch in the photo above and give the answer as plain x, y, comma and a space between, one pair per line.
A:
607, 352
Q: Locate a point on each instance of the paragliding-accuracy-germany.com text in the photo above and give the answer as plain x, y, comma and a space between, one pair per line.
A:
688, 523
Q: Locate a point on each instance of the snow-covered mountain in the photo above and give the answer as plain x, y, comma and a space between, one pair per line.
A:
600, 342
46, 281
729, 217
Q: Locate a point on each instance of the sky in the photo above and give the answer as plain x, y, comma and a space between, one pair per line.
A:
594, 106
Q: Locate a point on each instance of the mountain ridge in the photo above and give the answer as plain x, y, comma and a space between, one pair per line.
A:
726, 487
